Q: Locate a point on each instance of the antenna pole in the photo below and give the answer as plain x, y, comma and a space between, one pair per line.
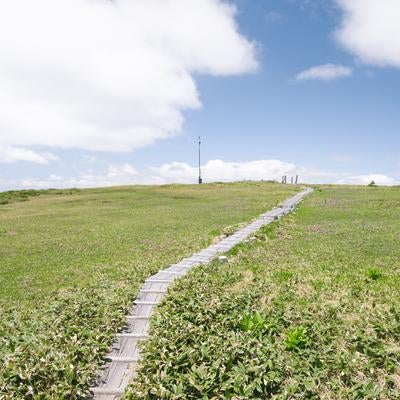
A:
200, 180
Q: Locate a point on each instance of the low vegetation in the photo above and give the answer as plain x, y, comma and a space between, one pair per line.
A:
310, 309
71, 263
13, 196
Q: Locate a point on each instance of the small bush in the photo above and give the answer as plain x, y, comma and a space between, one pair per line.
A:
374, 274
252, 322
296, 338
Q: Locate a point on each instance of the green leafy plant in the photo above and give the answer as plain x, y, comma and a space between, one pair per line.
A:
253, 322
374, 274
296, 338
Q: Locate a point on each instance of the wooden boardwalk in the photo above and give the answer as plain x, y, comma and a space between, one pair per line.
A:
122, 361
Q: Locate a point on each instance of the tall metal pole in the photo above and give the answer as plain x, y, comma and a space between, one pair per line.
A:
200, 180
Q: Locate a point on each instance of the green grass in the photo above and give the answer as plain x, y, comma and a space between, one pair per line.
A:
309, 310
71, 263
13, 196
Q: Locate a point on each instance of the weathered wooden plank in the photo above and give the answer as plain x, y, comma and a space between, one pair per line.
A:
132, 335
121, 359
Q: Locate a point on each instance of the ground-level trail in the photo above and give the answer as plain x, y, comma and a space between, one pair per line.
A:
301, 307
123, 359
307, 309
72, 262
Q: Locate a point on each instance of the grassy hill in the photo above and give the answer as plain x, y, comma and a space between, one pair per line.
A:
71, 263
308, 310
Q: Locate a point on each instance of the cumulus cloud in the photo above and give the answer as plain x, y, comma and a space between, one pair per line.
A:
379, 179
11, 154
370, 30
212, 171
178, 172
109, 75
218, 170
175, 172
325, 72
114, 175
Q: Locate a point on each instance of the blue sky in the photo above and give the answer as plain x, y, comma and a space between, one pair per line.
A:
345, 129
349, 124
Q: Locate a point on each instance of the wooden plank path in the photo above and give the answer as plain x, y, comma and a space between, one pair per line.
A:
122, 361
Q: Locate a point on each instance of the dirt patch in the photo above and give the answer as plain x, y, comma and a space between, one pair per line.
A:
247, 279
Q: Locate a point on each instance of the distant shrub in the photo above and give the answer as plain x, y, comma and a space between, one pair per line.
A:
13, 196
372, 184
296, 338
374, 274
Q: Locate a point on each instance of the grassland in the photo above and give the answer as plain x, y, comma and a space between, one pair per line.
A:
13, 196
71, 262
308, 310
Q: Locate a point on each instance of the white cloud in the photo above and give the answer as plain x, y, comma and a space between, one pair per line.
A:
370, 30
212, 171
124, 174
11, 154
115, 175
178, 172
37, 184
379, 179
325, 72
109, 75
218, 170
